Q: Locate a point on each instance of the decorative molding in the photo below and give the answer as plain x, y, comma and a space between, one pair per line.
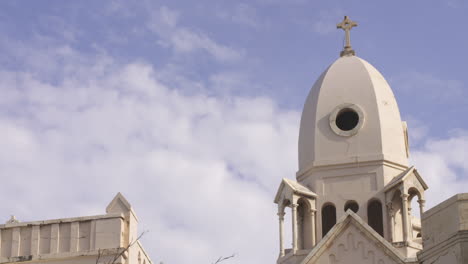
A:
334, 114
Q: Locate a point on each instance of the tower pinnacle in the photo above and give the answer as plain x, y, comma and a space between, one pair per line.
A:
347, 24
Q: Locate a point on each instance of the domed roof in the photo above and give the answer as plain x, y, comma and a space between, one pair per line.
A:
351, 116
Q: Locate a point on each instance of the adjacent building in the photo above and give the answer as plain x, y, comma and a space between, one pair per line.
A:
111, 238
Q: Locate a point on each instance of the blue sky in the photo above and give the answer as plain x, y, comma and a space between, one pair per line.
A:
191, 109
280, 46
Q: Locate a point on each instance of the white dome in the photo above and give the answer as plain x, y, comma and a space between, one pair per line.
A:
375, 132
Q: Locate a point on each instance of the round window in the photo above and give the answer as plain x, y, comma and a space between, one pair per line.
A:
351, 205
346, 119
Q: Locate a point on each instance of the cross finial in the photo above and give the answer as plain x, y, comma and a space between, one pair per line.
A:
347, 24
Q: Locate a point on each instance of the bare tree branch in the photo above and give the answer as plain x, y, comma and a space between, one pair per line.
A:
224, 258
127, 247
117, 256
98, 256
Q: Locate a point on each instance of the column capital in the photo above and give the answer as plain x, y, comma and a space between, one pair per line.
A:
389, 206
281, 215
294, 206
281, 206
421, 201
404, 196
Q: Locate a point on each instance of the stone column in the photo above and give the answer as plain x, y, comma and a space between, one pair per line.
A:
410, 222
15, 242
294, 226
392, 221
74, 236
421, 211
54, 239
312, 224
281, 231
421, 207
35, 239
404, 198
392, 225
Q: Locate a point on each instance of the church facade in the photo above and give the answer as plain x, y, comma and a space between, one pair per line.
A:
351, 201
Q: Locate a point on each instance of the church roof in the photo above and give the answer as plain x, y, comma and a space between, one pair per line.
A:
352, 219
295, 187
351, 83
400, 178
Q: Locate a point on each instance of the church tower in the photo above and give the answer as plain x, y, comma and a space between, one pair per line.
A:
353, 164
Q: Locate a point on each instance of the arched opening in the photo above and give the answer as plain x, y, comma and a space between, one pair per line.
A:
353, 205
375, 216
414, 212
287, 235
304, 225
328, 218
396, 217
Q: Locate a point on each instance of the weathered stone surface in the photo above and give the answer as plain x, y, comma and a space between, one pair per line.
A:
78, 240
445, 232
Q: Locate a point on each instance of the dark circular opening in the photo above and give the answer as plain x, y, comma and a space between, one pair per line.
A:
347, 119
351, 205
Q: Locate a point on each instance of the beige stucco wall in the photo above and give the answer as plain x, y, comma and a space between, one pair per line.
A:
79, 240
340, 184
445, 232
353, 247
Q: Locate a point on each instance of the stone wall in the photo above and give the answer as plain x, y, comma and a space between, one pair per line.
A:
61, 237
445, 232
100, 239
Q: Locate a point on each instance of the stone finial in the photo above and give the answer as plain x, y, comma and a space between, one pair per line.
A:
120, 205
347, 24
12, 220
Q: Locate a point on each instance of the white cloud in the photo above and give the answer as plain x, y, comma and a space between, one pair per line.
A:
436, 90
168, 16
326, 21
442, 163
232, 81
164, 22
242, 14
454, 3
200, 171
280, 2
417, 131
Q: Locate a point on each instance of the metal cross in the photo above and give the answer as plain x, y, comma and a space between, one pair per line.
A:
347, 24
